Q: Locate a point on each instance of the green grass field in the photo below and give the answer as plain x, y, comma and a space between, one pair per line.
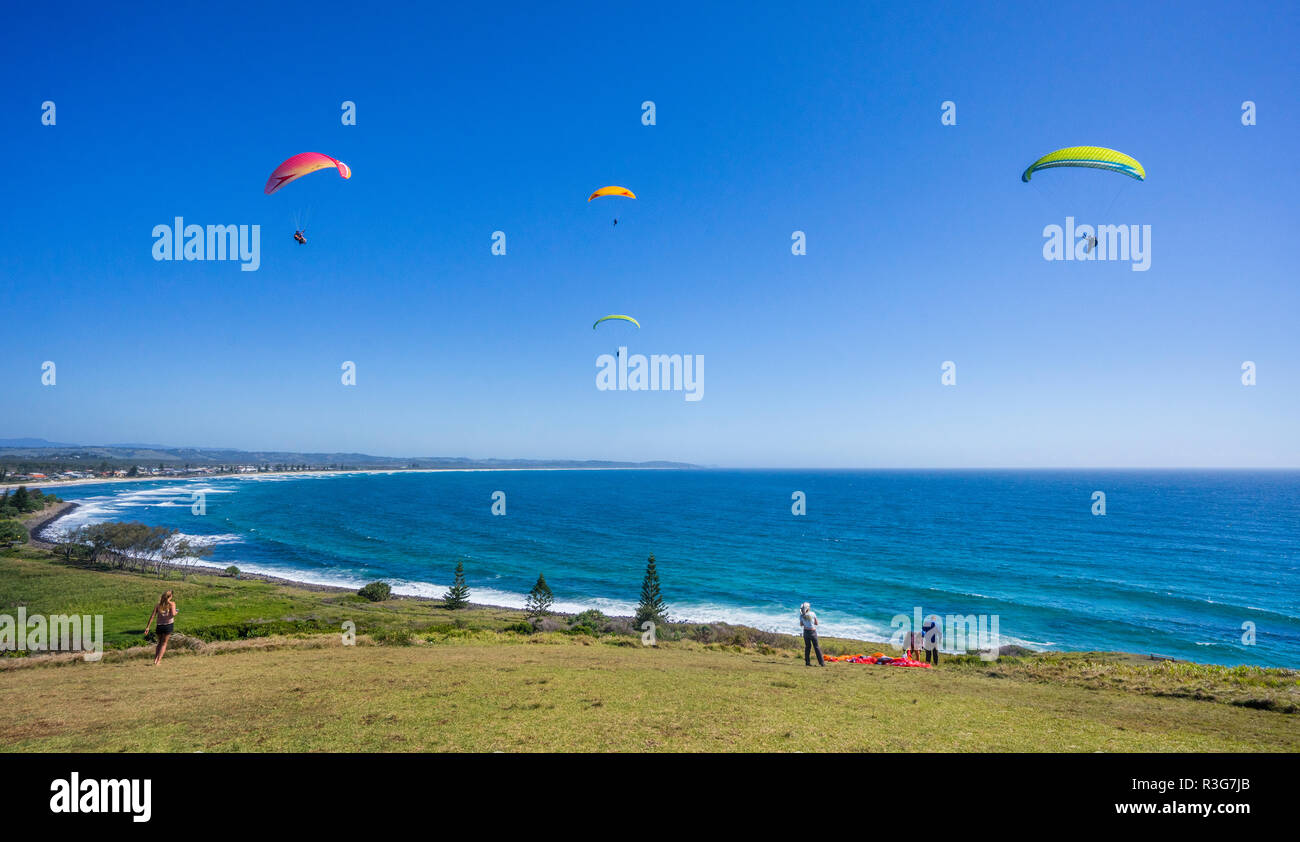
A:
262, 667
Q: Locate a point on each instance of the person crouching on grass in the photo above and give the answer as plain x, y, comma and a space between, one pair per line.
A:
166, 613
915, 643
808, 622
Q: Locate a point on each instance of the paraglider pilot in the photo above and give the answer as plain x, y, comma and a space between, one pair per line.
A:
297, 235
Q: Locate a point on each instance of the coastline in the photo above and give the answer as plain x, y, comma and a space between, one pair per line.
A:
44, 484
37, 525
40, 525
41, 539
867, 645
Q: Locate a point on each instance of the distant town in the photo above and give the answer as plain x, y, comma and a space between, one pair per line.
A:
39, 461
160, 471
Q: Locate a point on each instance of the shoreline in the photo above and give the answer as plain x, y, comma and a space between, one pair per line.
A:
38, 540
38, 527
315, 587
45, 484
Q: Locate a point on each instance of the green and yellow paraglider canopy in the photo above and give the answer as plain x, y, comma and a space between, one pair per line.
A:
616, 316
1092, 157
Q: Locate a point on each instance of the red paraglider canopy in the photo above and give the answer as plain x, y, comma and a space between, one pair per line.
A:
300, 165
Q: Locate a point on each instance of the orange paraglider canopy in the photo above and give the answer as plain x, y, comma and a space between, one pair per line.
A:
612, 190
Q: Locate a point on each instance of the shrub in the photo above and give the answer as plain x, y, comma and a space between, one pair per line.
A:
376, 591
393, 637
702, 634
232, 570
12, 532
250, 630
69, 550
520, 627
590, 622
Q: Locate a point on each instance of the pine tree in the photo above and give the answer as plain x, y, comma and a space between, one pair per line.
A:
652, 606
540, 599
458, 595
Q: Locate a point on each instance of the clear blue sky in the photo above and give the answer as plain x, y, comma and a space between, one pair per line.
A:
923, 244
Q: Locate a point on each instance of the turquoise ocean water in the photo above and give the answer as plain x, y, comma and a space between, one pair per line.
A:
1181, 561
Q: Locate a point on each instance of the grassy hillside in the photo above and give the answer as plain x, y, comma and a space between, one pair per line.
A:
263, 668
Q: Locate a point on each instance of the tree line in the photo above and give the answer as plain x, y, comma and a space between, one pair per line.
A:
132, 546
651, 606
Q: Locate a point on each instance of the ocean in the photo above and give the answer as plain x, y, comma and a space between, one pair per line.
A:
1195, 565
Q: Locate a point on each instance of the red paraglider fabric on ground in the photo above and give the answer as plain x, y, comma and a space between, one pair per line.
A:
878, 658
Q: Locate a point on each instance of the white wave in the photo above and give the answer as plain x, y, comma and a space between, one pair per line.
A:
210, 540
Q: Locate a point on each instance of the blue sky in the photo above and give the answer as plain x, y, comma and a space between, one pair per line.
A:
923, 244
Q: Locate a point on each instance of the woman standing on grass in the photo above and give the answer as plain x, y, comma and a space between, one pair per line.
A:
808, 622
166, 613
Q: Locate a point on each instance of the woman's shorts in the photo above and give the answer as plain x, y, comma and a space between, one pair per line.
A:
165, 629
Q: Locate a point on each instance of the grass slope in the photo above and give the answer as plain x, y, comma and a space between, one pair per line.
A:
556, 695
237, 682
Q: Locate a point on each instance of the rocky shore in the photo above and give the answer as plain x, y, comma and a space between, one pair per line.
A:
39, 522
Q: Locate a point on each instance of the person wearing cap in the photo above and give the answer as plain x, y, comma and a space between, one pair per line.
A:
808, 622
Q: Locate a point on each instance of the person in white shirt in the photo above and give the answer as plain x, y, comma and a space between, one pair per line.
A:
808, 622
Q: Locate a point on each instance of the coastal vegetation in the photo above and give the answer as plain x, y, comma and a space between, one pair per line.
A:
12, 532
133, 546
376, 591
457, 596
22, 505
540, 599
651, 608
261, 665
24, 501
